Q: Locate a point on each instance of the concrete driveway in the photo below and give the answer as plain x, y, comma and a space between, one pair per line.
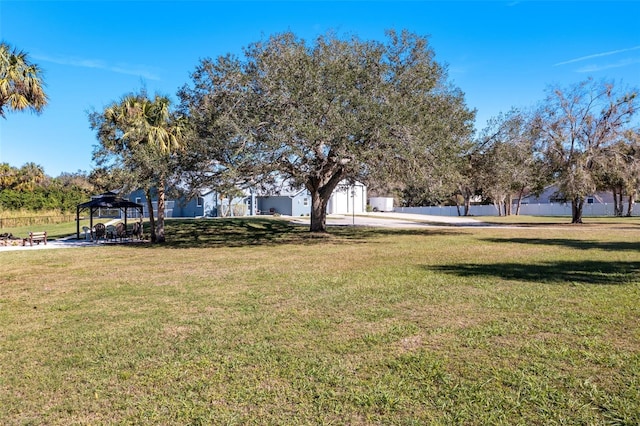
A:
396, 220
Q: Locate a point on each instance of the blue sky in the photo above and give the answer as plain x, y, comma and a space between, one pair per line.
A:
502, 54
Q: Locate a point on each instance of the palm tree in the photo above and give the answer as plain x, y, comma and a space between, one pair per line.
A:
30, 176
145, 134
8, 176
21, 85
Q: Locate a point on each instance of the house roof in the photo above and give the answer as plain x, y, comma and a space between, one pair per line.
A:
551, 193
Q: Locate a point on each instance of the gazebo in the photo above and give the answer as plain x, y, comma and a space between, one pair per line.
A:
108, 200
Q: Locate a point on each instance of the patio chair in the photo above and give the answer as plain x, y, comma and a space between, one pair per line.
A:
100, 231
110, 232
88, 235
136, 230
121, 231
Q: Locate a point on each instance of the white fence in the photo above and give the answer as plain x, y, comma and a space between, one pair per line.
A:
525, 209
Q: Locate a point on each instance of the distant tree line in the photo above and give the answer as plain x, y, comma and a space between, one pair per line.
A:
29, 188
581, 139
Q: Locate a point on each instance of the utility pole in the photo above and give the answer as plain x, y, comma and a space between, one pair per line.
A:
353, 204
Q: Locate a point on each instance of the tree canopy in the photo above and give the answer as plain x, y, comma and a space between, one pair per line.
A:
21, 84
574, 129
319, 113
29, 188
506, 165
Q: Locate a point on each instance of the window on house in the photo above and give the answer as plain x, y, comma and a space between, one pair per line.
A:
200, 201
305, 201
138, 200
589, 200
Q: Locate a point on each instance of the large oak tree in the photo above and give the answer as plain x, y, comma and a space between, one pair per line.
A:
574, 127
335, 109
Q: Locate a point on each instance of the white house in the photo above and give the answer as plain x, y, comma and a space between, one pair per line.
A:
552, 195
346, 199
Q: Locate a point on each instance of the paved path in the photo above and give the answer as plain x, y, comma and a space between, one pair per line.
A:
66, 242
69, 242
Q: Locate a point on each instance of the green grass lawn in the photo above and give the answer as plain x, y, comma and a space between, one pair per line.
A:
255, 321
54, 231
525, 220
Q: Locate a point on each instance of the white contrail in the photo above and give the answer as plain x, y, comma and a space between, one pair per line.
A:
98, 64
597, 55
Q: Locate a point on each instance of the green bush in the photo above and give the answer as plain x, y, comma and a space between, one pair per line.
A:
63, 199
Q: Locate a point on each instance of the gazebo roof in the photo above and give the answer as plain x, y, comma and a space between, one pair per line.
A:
109, 200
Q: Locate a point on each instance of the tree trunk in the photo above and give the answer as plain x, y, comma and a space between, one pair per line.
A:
507, 204
160, 238
457, 201
520, 194
632, 200
498, 207
620, 202
576, 210
321, 190
617, 201
152, 222
466, 201
318, 213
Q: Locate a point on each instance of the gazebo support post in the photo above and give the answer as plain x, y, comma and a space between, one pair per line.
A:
77, 223
92, 210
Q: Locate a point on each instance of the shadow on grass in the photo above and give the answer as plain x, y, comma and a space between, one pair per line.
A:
241, 232
563, 221
586, 272
572, 243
